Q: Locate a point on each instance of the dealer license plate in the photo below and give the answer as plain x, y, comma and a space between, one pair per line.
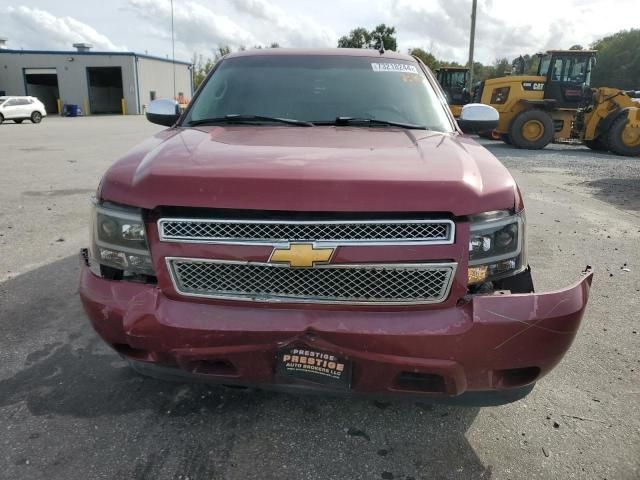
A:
314, 366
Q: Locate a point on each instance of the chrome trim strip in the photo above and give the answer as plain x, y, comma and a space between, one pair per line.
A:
320, 243
453, 266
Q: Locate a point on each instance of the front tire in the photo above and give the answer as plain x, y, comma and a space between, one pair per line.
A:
622, 140
531, 129
490, 135
597, 144
36, 117
1, 118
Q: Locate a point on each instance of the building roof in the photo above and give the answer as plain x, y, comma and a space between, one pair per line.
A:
77, 53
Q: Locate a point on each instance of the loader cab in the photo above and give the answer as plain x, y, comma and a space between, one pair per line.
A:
453, 81
568, 74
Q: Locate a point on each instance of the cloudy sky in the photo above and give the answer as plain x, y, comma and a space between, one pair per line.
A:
504, 27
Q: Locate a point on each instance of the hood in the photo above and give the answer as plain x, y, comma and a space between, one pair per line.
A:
311, 169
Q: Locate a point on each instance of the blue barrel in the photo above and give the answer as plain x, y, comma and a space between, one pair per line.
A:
72, 110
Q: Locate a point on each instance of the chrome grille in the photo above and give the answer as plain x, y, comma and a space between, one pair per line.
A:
360, 284
340, 232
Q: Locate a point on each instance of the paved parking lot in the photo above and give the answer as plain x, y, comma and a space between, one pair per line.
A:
71, 409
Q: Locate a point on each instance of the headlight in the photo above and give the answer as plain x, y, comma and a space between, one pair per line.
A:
496, 246
119, 239
500, 95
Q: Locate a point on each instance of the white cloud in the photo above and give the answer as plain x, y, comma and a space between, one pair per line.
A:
236, 23
285, 27
197, 28
38, 28
504, 28
443, 27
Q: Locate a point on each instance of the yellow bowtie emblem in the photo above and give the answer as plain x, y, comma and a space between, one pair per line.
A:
301, 255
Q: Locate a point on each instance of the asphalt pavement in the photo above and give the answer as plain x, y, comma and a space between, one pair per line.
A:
71, 409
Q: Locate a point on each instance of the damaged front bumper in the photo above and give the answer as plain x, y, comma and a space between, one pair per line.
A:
488, 350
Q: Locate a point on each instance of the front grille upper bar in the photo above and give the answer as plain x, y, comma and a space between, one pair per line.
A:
334, 232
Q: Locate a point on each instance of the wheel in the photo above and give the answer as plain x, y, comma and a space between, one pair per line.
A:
36, 117
1, 118
598, 144
505, 138
622, 140
490, 135
531, 129
18, 121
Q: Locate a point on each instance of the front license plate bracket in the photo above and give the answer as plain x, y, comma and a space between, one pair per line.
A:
310, 365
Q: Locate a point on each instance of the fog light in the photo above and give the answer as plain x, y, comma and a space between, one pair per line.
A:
139, 261
113, 257
478, 274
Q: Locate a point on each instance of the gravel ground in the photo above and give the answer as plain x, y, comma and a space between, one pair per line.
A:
71, 409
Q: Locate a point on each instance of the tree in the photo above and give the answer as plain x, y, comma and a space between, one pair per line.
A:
427, 58
362, 38
201, 68
383, 35
531, 64
618, 61
222, 51
500, 68
357, 38
576, 47
480, 72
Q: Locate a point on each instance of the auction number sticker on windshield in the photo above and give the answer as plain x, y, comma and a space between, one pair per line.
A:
394, 67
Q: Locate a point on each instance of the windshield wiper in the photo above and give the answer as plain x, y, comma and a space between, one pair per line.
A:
241, 118
373, 121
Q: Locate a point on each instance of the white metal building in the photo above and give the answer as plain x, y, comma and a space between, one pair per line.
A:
98, 82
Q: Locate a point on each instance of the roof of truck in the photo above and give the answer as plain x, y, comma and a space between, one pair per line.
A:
348, 52
572, 51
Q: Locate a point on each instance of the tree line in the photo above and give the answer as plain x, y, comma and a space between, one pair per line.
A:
618, 58
202, 65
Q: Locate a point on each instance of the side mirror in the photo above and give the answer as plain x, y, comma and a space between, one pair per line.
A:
163, 112
478, 117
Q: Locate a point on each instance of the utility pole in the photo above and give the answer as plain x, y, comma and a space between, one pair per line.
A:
471, 41
173, 52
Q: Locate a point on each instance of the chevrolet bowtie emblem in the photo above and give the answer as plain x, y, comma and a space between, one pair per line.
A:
301, 255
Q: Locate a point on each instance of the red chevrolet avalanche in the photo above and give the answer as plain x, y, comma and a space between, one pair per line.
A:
317, 220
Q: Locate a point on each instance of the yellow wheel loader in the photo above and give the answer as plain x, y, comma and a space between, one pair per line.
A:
559, 104
453, 81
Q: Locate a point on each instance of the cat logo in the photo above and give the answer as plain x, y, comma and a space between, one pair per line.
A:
537, 86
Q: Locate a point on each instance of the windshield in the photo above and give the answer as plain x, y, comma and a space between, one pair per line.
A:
543, 66
454, 78
320, 88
